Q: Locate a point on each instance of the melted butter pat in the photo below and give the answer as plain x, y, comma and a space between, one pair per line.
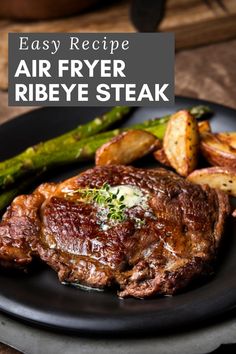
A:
132, 195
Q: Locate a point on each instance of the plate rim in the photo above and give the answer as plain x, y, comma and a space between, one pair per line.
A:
117, 324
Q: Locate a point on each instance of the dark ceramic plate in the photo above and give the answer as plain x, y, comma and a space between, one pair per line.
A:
39, 297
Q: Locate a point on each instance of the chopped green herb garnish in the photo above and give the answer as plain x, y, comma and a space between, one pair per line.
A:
105, 197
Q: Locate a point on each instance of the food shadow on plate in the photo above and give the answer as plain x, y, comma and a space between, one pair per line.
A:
35, 267
63, 172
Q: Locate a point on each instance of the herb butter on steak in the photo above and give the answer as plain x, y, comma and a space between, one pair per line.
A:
145, 231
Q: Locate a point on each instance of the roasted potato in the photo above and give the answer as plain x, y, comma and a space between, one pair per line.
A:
227, 138
217, 151
126, 148
204, 127
161, 157
181, 142
223, 178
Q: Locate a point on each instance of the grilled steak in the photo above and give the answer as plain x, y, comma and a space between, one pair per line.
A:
145, 231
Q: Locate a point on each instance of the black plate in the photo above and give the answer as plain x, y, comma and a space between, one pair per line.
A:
40, 298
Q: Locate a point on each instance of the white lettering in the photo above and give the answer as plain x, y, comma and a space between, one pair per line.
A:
22, 69
20, 92
103, 94
23, 43
159, 92
68, 90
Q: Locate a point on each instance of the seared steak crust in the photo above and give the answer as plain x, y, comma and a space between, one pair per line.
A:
164, 242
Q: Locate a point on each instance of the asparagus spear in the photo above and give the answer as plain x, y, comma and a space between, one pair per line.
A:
34, 159
84, 150
8, 195
91, 128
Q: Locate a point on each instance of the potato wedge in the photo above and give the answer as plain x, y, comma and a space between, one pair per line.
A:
126, 148
181, 142
223, 178
217, 152
227, 138
204, 127
161, 157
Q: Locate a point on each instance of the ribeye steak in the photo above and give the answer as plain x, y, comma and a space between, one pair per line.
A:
144, 231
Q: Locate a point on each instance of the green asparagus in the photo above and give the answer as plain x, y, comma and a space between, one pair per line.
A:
8, 195
91, 128
36, 158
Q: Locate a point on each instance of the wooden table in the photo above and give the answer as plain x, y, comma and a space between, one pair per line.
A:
194, 22
207, 72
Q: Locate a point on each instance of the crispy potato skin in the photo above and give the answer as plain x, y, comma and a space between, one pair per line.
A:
223, 178
181, 142
227, 138
161, 157
204, 127
126, 148
217, 150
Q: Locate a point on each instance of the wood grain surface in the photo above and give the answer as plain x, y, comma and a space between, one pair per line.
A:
207, 73
4, 349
